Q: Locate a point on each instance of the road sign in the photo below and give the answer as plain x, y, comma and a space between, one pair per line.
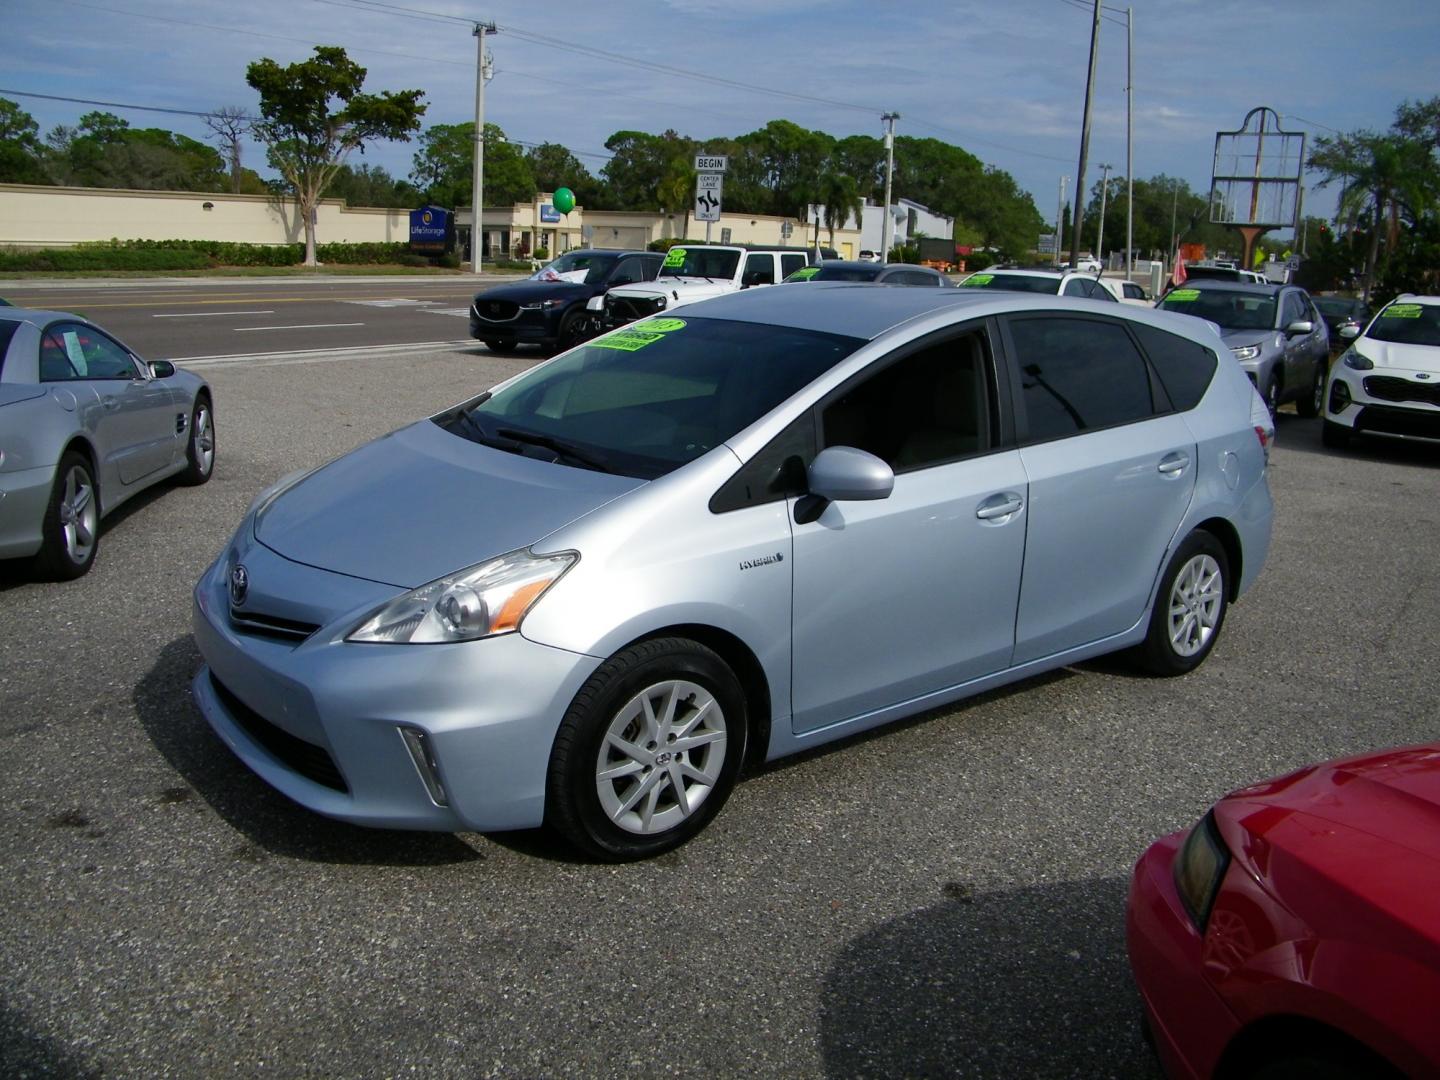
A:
707, 196
1047, 244
709, 163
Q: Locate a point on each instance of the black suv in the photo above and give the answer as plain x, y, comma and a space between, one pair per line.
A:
549, 308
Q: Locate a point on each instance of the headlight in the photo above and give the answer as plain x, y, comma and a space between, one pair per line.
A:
1246, 352
1200, 866
482, 601
1356, 360
596, 303
542, 305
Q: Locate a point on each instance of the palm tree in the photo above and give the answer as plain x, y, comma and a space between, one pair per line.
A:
840, 197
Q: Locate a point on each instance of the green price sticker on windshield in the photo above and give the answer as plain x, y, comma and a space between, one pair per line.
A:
977, 280
660, 326
675, 257
626, 340
805, 274
1184, 296
1401, 311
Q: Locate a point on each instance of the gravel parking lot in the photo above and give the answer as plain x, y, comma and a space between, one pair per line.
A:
941, 898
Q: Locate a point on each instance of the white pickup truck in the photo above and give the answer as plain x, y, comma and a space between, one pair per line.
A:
697, 273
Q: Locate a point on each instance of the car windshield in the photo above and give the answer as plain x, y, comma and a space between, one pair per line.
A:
648, 398
846, 273
1337, 307
1407, 324
1230, 309
1013, 283
584, 266
699, 262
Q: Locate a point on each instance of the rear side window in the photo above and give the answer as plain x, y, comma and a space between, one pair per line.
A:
790, 263
7, 331
1078, 375
1185, 368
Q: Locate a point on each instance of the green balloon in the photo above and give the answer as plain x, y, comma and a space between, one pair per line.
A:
564, 200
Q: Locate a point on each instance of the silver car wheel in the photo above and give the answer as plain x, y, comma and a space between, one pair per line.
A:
1195, 605
204, 436
661, 757
78, 515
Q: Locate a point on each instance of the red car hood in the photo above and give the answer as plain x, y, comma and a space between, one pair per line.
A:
1358, 838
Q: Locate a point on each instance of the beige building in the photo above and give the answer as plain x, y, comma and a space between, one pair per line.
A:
36, 216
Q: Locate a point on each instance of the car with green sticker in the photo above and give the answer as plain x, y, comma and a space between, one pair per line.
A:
878, 273
1049, 282
694, 272
1274, 331
1387, 383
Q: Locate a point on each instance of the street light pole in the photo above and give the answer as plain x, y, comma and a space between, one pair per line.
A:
1085, 137
887, 227
1100, 235
1060, 219
477, 182
1129, 138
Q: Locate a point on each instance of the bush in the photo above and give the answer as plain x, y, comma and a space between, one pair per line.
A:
198, 255
450, 260
409, 258
543, 254
90, 258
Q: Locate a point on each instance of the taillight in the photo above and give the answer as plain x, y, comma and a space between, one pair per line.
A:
1266, 437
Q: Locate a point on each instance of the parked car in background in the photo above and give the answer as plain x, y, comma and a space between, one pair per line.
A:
869, 256
1087, 264
701, 272
1387, 383
1294, 932
1053, 282
880, 273
1132, 292
84, 425
553, 307
1341, 312
665, 540
1274, 332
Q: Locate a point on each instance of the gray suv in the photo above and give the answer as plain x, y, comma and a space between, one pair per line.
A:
1275, 332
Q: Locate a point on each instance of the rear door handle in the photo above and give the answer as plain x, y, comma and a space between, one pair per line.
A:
1174, 463
111, 402
999, 506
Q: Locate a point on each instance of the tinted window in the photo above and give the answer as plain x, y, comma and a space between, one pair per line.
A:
1292, 308
1230, 308
700, 262
571, 264
7, 331
759, 270
1012, 283
912, 277
931, 407
1077, 375
846, 273
790, 263
1134, 292
1185, 368
73, 351
628, 270
648, 398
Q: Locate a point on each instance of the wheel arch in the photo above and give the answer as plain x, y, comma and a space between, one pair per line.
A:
1272, 1037
1224, 532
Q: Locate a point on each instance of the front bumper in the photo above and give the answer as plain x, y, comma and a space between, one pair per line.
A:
1191, 1025
321, 721
529, 326
1385, 402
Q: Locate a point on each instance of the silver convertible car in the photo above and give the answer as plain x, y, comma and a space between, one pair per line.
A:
84, 425
587, 596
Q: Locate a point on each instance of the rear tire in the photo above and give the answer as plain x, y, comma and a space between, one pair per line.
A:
71, 529
1335, 436
1189, 608
1310, 407
648, 751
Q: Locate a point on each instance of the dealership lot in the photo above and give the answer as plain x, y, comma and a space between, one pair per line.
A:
941, 897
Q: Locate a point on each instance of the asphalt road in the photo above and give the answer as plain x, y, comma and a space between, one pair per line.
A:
184, 319
940, 898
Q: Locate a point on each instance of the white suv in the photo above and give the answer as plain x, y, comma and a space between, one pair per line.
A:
1053, 282
697, 272
1387, 382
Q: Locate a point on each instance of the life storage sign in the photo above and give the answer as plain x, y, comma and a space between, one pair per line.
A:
429, 229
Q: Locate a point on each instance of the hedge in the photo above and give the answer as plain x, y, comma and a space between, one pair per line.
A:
193, 255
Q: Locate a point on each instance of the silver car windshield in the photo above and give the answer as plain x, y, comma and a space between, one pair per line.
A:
1231, 309
644, 400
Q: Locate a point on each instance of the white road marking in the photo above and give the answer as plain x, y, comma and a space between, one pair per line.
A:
306, 355
462, 312
390, 303
305, 326
209, 314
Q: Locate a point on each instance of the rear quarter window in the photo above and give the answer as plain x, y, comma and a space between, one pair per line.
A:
7, 331
1185, 368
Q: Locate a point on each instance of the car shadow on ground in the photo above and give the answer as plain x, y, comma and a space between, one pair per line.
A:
271, 821
1296, 433
1003, 984
26, 1052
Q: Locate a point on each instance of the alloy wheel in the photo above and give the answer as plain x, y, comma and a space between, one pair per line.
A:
78, 515
1195, 605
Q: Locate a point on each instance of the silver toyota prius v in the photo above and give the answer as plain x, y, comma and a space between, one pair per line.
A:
586, 597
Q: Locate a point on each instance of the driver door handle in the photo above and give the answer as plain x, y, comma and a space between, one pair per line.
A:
1174, 463
999, 506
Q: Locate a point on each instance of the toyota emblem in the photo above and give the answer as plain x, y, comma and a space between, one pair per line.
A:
239, 584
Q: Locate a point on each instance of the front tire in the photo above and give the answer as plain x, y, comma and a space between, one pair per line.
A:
200, 452
499, 345
1310, 407
1189, 608
70, 533
648, 752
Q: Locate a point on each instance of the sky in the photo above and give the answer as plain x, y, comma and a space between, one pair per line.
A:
1006, 81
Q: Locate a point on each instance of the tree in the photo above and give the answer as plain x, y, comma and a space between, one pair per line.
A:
553, 166
22, 156
839, 196
640, 163
229, 125
306, 141
371, 185
444, 167
105, 151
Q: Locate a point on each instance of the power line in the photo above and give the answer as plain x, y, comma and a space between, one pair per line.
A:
118, 105
1089, 9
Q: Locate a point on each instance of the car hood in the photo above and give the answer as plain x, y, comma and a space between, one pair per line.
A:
1368, 826
1392, 354
421, 503
1235, 339
527, 292
683, 285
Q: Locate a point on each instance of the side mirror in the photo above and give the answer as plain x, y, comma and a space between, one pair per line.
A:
1298, 327
840, 474
757, 277
162, 369
1350, 333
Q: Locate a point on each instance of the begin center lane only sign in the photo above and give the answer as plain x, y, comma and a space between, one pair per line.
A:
707, 196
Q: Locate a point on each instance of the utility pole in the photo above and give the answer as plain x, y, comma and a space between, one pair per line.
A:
1085, 136
1174, 202
477, 182
1100, 235
1060, 219
1129, 138
887, 226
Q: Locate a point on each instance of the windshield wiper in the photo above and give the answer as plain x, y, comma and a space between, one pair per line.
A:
560, 447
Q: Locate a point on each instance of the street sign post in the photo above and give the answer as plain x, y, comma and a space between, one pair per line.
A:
709, 179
